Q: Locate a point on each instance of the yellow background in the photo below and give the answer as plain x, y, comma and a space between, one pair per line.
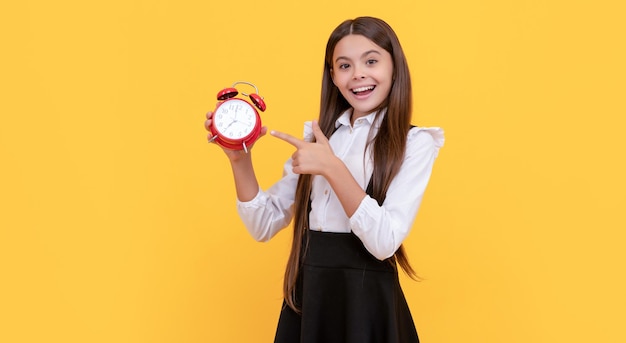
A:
118, 222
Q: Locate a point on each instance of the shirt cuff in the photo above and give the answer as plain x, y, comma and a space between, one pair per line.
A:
362, 224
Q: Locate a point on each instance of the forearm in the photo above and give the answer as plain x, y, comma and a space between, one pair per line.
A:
348, 191
246, 184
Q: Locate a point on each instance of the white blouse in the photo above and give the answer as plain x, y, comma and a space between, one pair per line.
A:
381, 228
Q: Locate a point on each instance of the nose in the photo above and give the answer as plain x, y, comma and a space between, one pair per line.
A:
358, 73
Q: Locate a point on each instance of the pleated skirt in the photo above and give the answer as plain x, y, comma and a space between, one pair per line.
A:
346, 296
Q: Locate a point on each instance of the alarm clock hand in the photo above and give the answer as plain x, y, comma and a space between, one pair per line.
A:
231, 124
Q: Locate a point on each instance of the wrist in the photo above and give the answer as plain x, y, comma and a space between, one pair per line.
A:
334, 167
239, 157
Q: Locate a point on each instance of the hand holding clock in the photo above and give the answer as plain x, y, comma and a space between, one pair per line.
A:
231, 110
233, 154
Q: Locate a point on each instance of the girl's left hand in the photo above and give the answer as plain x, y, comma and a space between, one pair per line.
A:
233, 155
316, 158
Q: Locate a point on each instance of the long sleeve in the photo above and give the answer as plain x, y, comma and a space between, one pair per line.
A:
272, 210
383, 228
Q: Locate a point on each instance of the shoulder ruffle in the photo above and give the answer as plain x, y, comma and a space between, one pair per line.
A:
435, 132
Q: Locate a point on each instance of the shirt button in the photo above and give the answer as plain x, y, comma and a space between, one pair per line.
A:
326, 192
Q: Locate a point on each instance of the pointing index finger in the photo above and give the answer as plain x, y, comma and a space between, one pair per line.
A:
287, 138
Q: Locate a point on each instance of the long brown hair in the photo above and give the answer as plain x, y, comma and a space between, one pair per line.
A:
388, 145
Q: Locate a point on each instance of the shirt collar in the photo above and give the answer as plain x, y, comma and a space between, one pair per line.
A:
344, 118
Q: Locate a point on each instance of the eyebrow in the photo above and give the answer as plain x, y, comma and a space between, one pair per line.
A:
363, 55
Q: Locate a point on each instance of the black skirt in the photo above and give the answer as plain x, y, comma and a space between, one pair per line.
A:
346, 296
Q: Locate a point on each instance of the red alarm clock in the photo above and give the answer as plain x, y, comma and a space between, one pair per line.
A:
236, 124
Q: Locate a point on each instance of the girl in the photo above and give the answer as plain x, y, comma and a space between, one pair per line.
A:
353, 188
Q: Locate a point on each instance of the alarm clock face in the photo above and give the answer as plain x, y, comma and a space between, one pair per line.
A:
235, 119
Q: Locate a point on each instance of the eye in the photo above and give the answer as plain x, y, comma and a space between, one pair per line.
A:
344, 66
371, 61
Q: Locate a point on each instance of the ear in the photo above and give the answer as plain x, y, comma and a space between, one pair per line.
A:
332, 75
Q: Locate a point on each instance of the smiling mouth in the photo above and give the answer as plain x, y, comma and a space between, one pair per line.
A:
363, 90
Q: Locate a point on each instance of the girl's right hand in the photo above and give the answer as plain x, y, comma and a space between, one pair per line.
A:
233, 155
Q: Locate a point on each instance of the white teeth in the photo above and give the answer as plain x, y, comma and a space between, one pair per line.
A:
363, 89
